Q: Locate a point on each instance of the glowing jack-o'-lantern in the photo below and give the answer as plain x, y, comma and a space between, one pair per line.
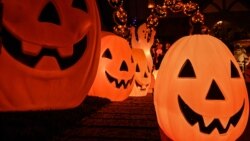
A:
50, 53
200, 93
142, 73
115, 75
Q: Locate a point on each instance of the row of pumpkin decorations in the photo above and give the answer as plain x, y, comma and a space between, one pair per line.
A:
169, 81
187, 90
196, 87
190, 85
185, 79
122, 71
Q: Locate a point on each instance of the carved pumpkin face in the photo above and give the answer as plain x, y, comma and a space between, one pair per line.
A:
200, 93
142, 73
50, 53
115, 76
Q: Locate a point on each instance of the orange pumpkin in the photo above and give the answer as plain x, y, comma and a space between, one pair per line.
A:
142, 73
115, 75
50, 53
200, 93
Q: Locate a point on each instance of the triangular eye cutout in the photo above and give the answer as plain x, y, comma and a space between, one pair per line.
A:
214, 92
137, 68
107, 54
124, 66
234, 71
80, 4
49, 14
187, 70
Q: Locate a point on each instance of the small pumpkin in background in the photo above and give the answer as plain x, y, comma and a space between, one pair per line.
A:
115, 75
142, 73
200, 93
50, 53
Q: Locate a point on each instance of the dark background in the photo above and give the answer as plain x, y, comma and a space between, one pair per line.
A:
234, 13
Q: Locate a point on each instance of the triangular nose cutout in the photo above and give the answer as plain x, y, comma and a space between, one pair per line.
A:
214, 92
145, 75
124, 66
49, 14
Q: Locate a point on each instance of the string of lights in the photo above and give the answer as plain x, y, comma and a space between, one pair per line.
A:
120, 18
190, 9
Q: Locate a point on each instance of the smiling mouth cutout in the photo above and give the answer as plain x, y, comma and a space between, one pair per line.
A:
192, 118
141, 86
121, 83
14, 47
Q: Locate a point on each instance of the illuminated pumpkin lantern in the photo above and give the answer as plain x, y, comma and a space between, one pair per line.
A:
145, 41
50, 53
142, 73
200, 93
115, 75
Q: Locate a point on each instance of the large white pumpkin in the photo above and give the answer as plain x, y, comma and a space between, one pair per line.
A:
200, 93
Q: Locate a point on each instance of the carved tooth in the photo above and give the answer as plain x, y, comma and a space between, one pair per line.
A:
31, 49
143, 86
47, 63
208, 120
65, 51
224, 122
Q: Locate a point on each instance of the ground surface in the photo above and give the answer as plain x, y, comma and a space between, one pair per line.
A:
95, 120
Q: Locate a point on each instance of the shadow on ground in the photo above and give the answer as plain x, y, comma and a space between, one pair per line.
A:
43, 125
